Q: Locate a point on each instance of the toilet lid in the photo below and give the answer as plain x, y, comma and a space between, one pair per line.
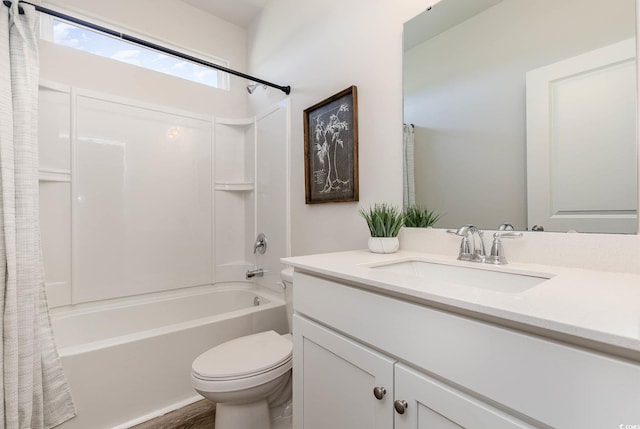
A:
244, 356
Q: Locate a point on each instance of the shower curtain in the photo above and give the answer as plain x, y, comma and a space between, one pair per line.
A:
34, 389
408, 180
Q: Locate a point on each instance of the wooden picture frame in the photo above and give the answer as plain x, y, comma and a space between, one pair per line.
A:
331, 149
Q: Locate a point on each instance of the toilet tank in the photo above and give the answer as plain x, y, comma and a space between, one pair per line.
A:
287, 280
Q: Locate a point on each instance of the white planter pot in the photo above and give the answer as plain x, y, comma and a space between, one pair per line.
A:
384, 244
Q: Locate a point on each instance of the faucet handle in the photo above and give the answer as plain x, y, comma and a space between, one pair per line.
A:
507, 234
260, 245
497, 250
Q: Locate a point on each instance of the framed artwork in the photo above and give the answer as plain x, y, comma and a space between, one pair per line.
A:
331, 149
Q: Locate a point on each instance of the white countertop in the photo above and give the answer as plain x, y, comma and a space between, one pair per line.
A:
596, 306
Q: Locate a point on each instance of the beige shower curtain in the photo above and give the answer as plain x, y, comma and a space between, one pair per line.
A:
34, 390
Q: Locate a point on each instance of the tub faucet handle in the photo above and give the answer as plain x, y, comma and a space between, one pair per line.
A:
260, 245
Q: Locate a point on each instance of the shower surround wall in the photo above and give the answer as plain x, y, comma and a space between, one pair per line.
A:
128, 196
138, 198
183, 253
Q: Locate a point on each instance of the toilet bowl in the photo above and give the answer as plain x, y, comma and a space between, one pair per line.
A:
247, 377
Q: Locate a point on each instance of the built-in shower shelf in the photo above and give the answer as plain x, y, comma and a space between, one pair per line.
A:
234, 186
235, 121
54, 175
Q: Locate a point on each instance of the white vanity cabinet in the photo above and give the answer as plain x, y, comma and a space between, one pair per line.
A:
343, 384
335, 380
440, 369
431, 404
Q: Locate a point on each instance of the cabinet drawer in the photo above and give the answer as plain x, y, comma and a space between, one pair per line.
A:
558, 385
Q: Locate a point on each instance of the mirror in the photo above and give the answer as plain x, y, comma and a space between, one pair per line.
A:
524, 113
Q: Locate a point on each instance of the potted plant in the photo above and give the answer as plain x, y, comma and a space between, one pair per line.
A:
420, 217
384, 221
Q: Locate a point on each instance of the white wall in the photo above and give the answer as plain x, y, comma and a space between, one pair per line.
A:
321, 48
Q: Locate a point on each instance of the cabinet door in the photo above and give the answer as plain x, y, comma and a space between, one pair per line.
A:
434, 405
334, 381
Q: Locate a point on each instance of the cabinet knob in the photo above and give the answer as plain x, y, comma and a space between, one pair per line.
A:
400, 406
379, 392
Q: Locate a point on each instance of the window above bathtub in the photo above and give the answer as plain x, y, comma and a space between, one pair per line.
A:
77, 37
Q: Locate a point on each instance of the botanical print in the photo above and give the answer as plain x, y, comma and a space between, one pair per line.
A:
331, 149
328, 140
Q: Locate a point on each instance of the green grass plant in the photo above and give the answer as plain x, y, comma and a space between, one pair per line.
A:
420, 217
384, 220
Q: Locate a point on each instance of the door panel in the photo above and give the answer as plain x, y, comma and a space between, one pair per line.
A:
581, 155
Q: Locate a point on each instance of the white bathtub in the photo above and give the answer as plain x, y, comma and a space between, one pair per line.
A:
130, 360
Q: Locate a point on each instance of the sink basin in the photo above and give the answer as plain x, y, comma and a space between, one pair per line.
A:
498, 281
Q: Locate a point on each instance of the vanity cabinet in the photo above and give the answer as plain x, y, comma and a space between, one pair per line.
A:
451, 370
335, 380
343, 384
431, 404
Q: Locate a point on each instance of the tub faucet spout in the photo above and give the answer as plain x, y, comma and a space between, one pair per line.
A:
258, 272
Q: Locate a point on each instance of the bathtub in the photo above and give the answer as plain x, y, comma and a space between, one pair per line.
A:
129, 360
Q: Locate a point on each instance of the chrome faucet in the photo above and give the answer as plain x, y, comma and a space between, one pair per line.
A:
470, 250
497, 251
473, 251
258, 272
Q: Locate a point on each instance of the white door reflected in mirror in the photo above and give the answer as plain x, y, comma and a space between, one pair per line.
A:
580, 154
465, 65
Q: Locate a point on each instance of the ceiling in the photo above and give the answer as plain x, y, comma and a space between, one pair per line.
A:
441, 17
239, 12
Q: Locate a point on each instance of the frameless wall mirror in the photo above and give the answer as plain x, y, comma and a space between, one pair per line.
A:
523, 112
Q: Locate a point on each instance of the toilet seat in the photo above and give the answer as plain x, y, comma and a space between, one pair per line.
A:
243, 363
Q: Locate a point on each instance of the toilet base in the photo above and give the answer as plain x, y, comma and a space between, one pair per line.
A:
246, 416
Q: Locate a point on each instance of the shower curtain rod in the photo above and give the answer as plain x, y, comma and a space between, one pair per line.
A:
150, 45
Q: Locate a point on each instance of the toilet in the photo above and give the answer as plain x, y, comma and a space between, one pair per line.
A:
249, 378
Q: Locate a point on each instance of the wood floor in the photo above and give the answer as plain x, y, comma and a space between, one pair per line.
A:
199, 415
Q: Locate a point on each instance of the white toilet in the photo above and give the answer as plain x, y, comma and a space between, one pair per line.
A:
249, 376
